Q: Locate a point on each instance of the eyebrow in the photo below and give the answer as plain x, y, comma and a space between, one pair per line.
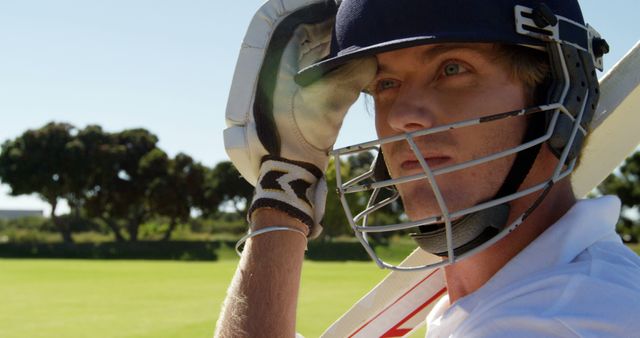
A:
437, 50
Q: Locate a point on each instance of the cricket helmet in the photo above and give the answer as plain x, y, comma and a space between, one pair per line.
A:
565, 108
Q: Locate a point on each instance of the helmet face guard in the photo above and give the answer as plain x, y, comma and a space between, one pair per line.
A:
574, 51
448, 238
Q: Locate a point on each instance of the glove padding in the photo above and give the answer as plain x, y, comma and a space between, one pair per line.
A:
268, 114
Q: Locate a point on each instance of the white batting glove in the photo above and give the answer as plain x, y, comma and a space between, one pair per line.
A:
279, 133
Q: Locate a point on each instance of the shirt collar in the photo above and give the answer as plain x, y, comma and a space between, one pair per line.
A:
587, 222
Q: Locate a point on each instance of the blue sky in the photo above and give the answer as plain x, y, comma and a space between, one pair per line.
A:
164, 65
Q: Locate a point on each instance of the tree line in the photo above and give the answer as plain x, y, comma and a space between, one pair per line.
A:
122, 178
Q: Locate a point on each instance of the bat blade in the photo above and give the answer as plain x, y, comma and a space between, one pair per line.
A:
614, 127
397, 305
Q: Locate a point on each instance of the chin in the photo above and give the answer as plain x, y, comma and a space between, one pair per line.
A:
420, 202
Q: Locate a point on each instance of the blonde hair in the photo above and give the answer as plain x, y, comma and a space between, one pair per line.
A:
528, 65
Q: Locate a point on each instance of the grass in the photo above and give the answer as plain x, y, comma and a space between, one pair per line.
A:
72, 298
155, 299
143, 299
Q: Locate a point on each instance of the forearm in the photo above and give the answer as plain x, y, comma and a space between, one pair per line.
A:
262, 298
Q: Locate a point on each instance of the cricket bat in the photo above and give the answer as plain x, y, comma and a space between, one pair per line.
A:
399, 304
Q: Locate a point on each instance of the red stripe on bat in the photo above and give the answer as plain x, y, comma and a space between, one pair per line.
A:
397, 332
392, 304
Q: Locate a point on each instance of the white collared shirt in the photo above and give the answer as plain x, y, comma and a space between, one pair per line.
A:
576, 279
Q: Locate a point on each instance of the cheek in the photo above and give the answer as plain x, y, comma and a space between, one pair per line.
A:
510, 96
486, 99
385, 150
382, 124
491, 137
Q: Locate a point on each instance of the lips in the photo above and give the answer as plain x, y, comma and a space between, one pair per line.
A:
434, 162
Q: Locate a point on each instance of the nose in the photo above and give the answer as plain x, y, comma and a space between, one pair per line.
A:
412, 110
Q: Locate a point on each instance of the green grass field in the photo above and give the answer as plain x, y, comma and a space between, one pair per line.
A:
155, 299
83, 298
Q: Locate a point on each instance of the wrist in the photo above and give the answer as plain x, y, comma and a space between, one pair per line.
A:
272, 227
266, 217
289, 191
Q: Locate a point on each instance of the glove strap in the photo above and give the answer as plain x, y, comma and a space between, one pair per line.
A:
292, 187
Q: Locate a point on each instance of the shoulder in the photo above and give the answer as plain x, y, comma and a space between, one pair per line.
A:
595, 295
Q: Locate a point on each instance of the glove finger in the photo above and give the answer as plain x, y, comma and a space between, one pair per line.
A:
247, 140
314, 43
328, 100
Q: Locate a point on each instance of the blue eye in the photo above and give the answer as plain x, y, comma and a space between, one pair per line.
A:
386, 84
452, 69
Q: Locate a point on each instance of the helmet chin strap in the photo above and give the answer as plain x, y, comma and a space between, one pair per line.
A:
476, 228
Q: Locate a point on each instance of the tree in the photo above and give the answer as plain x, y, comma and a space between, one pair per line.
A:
229, 187
203, 195
88, 158
171, 192
335, 222
120, 198
39, 162
626, 185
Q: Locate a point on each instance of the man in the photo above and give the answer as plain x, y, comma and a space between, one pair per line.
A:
482, 109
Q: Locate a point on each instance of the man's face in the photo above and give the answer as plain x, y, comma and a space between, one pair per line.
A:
428, 86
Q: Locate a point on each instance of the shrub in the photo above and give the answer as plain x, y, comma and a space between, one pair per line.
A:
173, 250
